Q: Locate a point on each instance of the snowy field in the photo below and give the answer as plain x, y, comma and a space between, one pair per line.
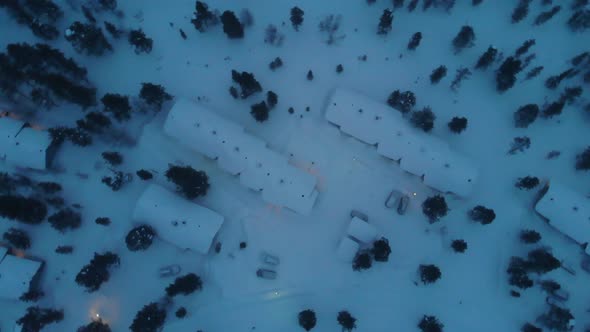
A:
473, 293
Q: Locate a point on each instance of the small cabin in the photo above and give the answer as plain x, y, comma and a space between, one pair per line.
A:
24, 144
18, 274
177, 220
567, 211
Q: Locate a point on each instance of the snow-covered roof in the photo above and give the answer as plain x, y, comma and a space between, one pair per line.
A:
16, 274
22, 145
238, 152
567, 211
347, 249
362, 230
177, 220
419, 153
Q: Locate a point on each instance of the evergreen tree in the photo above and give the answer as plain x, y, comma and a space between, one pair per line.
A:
553, 109
184, 285
506, 74
296, 17
94, 274
583, 160
557, 319
580, 59
144, 174
528, 182
231, 26
385, 22
181, 312
430, 324
22, 209
271, 99
113, 158
550, 286
381, 250
542, 261
276, 63
94, 122
113, 30
435, 207
49, 187
190, 182
553, 81
438, 74
346, 320
118, 105
462, 74
482, 215
88, 39
415, 41
457, 124
571, 94
429, 273
154, 95
260, 111
519, 144
140, 238
203, 18
580, 20
459, 245
310, 75
248, 84
398, 4
307, 319
65, 219
95, 326
546, 16
525, 115
534, 72
17, 238
402, 101
362, 261
35, 319
530, 236
140, 41
150, 318
423, 119
412, 5
521, 11
464, 39
104, 221
487, 58
524, 48
517, 273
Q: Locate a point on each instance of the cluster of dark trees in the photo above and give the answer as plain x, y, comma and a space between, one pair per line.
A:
35, 319
307, 320
94, 274
41, 16
65, 219
27, 210
379, 252
190, 182
150, 318
538, 261
184, 285
204, 18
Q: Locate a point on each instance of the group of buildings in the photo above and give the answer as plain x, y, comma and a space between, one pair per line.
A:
248, 158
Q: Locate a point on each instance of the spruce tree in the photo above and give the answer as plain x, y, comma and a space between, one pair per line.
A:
231, 25
385, 22
296, 17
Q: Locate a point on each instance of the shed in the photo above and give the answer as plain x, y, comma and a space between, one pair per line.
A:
25, 146
177, 220
566, 211
362, 230
347, 249
16, 275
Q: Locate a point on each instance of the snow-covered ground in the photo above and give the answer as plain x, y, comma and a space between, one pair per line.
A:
473, 293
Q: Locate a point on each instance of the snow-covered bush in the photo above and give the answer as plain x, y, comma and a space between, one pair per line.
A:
184, 285
459, 245
482, 215
457, 124
430, 324
429, 273
423, 119
435, 207
190, 182
346, 320
140, 238
402, 101
65, 219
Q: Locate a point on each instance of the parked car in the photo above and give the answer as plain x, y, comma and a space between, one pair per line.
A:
169, 270
585, 265
266, 274
359, 214
269, 259
398, 200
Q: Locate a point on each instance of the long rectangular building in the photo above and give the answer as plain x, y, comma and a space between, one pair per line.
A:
417, 152
240, 153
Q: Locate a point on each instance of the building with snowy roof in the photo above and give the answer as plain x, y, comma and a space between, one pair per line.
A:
24, 145
177, 220
566, 211
417, 152
242, 154
18, 275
